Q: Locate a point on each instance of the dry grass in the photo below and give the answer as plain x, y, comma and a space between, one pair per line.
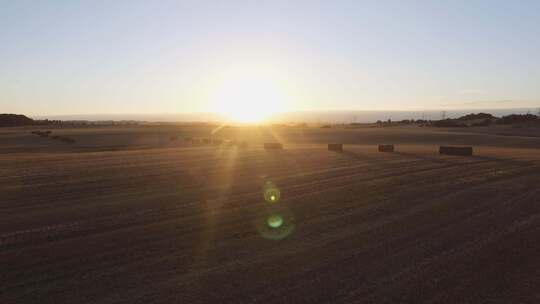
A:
178, 222
273, 146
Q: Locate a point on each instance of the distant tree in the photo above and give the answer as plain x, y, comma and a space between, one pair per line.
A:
474, 116
518, 118
448, 123
484, 123
13, 120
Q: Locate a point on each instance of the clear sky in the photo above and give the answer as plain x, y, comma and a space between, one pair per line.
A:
91, 57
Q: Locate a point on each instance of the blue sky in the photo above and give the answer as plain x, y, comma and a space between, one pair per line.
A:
90, 57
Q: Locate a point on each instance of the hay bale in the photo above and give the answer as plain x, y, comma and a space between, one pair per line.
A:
273, 146
206, 140
386, 148
217, 141
335, 147
462, 151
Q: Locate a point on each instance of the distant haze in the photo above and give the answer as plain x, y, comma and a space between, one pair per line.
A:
307, 116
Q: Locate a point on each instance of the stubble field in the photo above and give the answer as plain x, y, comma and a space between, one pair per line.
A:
129, 215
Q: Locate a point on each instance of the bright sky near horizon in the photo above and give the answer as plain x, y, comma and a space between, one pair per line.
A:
91, 57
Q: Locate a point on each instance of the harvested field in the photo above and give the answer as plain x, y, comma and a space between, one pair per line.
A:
273, 146
242, 144
462, 151
335, 147
386, 148
171, 224
217, 141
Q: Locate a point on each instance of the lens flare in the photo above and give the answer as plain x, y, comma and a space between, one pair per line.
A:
275, 221
271, 193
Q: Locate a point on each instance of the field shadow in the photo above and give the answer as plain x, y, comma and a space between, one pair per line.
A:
465, 160
429, 158
355, 155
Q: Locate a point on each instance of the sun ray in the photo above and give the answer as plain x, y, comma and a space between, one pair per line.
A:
274, 134
222, 179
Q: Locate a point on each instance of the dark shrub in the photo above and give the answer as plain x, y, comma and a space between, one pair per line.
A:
448, 123
13, 120
518, 118
474, 116
484, 123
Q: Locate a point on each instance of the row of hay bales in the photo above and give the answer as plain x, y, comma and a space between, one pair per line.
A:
54, 137
337, 147
444, 150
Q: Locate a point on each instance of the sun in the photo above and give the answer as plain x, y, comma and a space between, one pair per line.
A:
248, 99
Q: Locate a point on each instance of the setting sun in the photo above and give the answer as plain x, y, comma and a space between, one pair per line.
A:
248, 99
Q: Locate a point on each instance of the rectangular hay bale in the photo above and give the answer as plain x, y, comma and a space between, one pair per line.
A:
386, 148
273, 146
335, 147
462, 151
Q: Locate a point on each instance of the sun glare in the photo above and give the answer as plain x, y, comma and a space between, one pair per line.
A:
248, 99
